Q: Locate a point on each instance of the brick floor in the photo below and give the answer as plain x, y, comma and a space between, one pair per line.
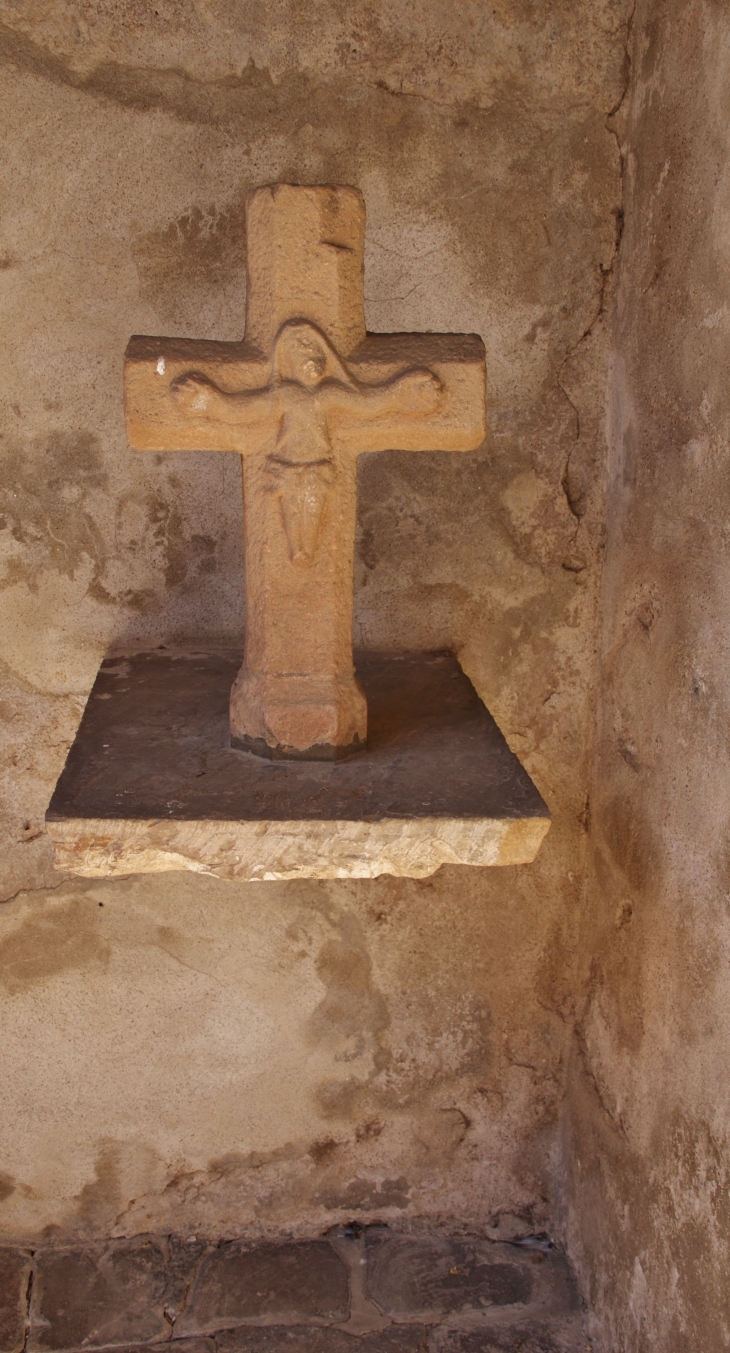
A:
14, 1277
396, 1339
354, 1291
431, 1277
97, 1296
237, 1284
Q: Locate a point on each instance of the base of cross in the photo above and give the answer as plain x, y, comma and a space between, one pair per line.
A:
292, 716
321, 751
152, 783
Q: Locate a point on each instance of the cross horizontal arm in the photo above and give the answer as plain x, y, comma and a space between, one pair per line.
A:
415, 392
167, 411
409, 392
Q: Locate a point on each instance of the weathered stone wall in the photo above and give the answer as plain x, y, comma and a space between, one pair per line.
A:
181, 1052
649, 1128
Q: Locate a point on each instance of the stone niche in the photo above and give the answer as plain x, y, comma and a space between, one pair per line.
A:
214, 1056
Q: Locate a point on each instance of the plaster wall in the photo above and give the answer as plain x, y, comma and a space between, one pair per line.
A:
187, 1053
647, 1142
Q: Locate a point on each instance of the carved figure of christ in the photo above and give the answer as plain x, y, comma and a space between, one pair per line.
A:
300, 398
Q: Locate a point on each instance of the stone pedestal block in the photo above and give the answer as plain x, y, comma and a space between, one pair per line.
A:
152, 782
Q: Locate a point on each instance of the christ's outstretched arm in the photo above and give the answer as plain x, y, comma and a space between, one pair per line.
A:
198, 394
417, 391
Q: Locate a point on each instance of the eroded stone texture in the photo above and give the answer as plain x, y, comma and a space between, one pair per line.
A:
89, 1298
308, 1297
279, 1283
405, 1339
184, 1346
14, 1275
527, 1337
434, 1277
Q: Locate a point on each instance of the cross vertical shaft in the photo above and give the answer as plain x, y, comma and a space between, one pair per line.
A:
304, 393
297, 687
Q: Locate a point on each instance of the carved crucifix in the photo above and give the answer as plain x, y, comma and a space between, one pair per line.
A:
299, 398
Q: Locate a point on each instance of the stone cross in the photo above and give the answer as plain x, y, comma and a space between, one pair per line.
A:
299, 398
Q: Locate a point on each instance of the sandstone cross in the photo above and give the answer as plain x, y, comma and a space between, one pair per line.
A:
299, 398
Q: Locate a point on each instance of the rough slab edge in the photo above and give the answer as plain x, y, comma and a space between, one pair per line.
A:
253, 851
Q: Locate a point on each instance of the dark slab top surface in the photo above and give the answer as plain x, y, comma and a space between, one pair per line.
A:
154, 743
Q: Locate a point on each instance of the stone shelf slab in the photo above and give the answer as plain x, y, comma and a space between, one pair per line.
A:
151, 782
